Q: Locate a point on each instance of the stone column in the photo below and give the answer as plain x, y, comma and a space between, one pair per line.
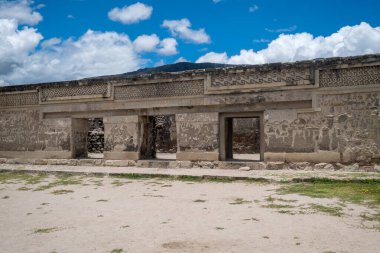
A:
79, 131
122, 138
197, 136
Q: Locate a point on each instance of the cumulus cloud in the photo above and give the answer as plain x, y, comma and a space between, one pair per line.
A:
93, 54
181, 28
213, 57
181, 59
146, 43
152, 43
216, 1
20, 10
15, 45
348, 41
130, 14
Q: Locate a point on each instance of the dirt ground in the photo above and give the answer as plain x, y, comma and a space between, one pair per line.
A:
107, 214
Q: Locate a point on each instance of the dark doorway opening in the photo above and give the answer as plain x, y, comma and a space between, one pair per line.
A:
159, 138
95, 138
243, 138
88, 138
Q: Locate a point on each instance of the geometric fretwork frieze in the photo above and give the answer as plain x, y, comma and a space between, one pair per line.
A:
70, 91
19, 99
165, 89
349, 76
288, 76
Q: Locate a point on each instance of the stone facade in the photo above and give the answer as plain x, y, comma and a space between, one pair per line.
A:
326, 110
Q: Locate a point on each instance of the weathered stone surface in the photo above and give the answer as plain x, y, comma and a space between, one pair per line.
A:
119, 163
325, 110
276, 165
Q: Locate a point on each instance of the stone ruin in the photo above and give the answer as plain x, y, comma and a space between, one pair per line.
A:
324, 110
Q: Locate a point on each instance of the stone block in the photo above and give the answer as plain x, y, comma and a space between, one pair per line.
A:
86, 162
276, 165
258, 166
58, 161
245, 168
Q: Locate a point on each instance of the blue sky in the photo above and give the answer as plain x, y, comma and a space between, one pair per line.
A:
70, 39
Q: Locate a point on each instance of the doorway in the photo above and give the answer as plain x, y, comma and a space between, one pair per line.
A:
87, 138
241, 137
159, 137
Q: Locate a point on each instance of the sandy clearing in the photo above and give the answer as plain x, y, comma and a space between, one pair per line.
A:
172, 216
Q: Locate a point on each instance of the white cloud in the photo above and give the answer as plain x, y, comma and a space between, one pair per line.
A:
51, 42
282, 30
216, 1
349, 40
213, 57
253, 8
152, 43
168, 46
93, 54
70, 16
19, 10
181, 28
15, 45
146, 43
181, 59
130, 14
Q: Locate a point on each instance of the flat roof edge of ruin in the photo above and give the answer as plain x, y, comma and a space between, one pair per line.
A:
315, 63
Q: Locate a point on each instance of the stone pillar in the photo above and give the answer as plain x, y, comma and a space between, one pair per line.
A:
122, 137
197, 136
79, 131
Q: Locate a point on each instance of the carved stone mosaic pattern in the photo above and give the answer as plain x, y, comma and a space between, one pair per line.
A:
19, 99
174, 89
349, 76
67, 91
294, 76
24, 130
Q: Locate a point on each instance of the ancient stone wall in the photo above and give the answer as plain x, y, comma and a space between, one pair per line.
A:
121, 137
347, 125
322, 110
25, 130
198, 135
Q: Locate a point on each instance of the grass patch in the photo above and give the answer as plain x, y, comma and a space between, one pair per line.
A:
219, 228
45, 230
24, 188
118, 183
116, 251
28, 178
60, 180
330, 210
355, 192
60, 192
370, 217
240, 201
102, 200
190, 179
277, 206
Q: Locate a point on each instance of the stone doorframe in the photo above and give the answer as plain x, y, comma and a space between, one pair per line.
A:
223, 131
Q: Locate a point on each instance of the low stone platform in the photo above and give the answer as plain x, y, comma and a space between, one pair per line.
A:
242, 165
284, 175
